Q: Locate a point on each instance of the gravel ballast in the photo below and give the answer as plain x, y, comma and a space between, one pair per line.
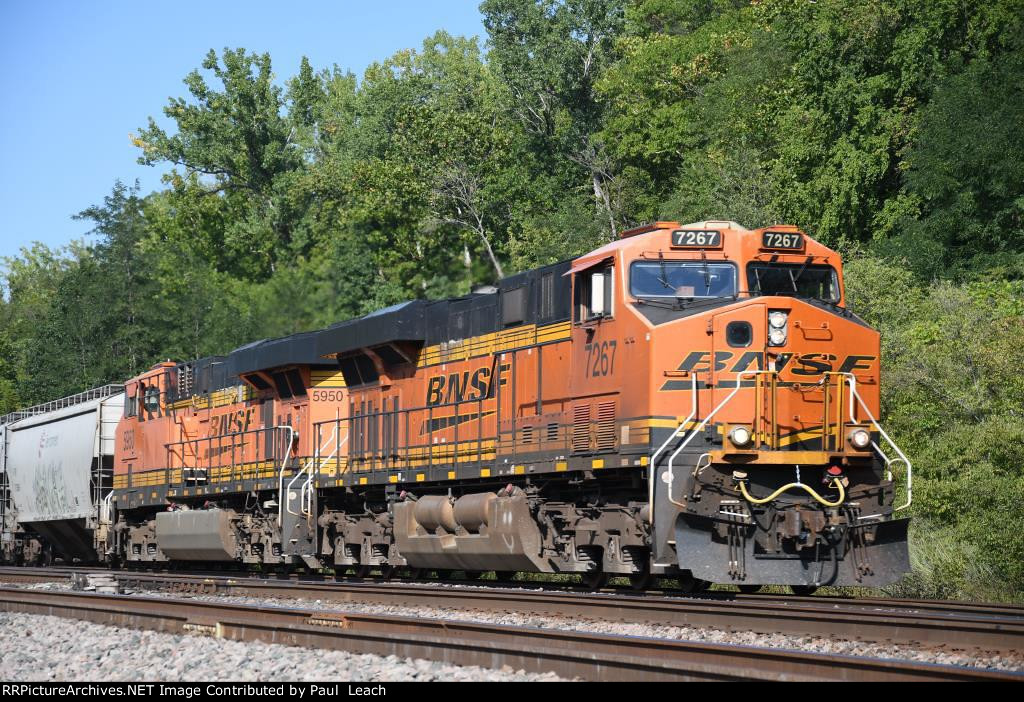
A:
817, 644
950, 655
44, 649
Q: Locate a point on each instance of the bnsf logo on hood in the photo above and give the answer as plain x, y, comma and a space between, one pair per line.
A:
797, 364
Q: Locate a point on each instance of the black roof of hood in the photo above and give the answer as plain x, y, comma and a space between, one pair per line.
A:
402, 322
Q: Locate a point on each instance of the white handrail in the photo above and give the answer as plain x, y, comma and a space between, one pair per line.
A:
901, 457
292, 482
306, 499
311, 470
851, 381
699, 427
307, 486
105, 509
654, 457
280, 475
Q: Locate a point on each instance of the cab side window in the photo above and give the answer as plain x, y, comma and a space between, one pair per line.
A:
151, 399
594, 293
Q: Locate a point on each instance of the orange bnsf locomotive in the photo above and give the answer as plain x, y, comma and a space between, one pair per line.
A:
688, 401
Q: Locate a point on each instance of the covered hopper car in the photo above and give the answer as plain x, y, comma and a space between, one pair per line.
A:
689, 401
57, 463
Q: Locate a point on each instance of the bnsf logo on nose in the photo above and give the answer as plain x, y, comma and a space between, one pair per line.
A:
805, 364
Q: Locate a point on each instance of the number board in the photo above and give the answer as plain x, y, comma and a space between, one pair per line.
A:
696, 239
782, 240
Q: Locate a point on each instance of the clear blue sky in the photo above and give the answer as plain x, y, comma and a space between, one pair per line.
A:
76, 78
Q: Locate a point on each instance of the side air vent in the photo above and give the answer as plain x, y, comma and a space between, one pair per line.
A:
185, 380
605, 426
581, 428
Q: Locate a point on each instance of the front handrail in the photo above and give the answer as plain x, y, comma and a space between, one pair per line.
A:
851, 380
854, 400
703, 423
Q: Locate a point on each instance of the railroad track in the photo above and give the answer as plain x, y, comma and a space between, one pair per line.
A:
570, 654
927, 624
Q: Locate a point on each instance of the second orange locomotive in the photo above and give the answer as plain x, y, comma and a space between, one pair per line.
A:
689, 401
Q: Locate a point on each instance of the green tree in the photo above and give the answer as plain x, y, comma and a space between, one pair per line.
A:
236, 145
966, 171
549, 54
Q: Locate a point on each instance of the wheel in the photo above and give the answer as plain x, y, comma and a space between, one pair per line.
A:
387, 572
749, 589
415, 573
640, 581
362, 571
803, 589
504, 576
472, 574
595, 579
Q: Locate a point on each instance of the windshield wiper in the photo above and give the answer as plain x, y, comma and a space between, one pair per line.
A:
680, 303
799, 273
659, 302
663, 278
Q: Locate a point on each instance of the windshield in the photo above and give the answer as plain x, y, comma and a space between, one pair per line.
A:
793, 279
682, 279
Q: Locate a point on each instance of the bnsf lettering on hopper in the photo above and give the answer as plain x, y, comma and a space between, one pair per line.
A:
692, 401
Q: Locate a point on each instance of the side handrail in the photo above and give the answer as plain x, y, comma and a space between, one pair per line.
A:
104, 516
307, 487
313, 468
851, 380
291, 482
652, 470
280, 474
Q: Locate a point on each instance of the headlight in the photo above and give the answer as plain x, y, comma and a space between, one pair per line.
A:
777, 337
777, 319
860, 438
739, 436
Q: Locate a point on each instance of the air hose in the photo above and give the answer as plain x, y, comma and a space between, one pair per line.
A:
836, 483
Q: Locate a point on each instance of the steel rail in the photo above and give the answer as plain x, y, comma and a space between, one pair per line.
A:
598, 657
55, 573
978, 627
